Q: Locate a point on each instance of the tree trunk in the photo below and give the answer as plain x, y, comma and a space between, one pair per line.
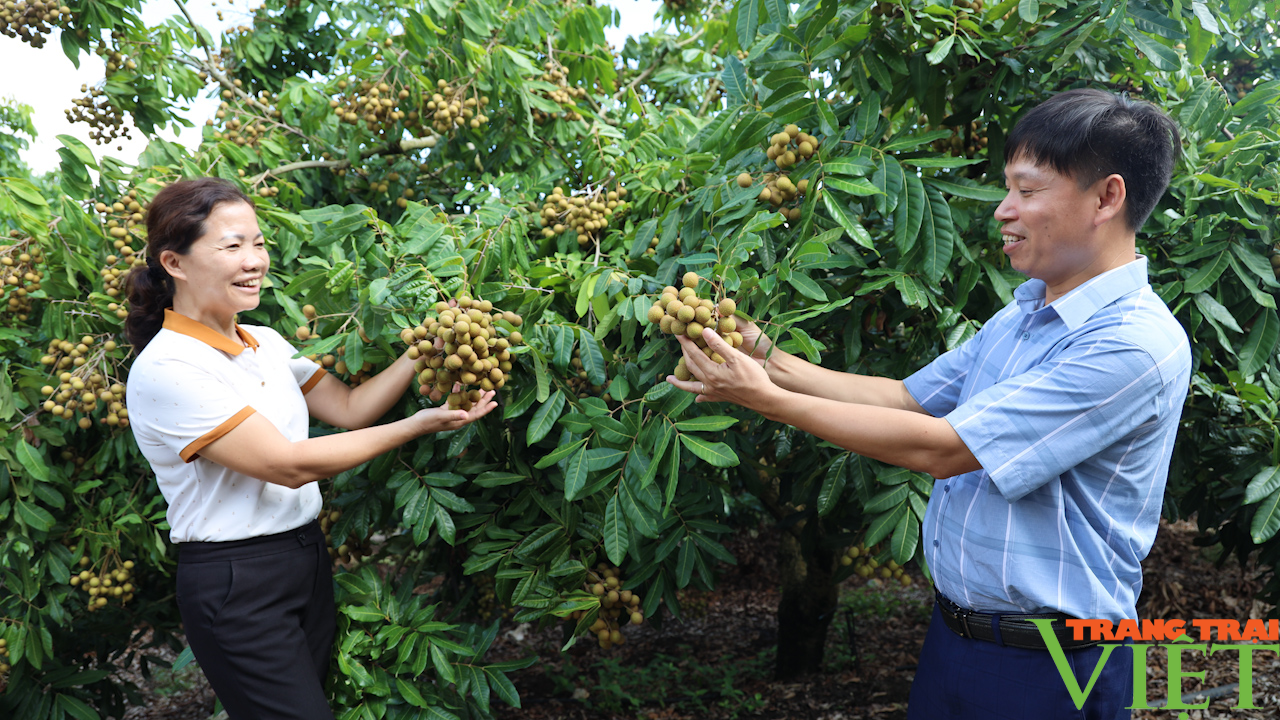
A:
806, 607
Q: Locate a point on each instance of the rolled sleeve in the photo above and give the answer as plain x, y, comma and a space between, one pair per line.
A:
188, 407
937, 387
1033, 427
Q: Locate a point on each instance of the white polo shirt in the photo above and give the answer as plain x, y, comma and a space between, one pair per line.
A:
192, 385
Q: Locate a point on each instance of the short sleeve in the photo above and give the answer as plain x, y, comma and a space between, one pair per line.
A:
1033, 427
937, 386
185, 408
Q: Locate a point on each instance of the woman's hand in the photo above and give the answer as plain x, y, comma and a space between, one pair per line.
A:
741, 379
443, 419
754, 342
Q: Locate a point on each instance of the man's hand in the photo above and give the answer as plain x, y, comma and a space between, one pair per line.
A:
741, 379
442, 419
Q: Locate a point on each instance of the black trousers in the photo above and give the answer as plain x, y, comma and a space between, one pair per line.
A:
259, 616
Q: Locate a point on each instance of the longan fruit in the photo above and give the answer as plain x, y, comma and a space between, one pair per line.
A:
744, 180
690, 279
656, 313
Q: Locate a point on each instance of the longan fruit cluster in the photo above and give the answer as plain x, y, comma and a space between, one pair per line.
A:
472, 354
563, 95
449, 107
791, 146
5, 667
587, 213
618, 607
32, 21
381, 105
684, 313
104, 118
962, 143
780, 192
351, 550
248, 122
104, 584
866, 565
120, 217
20, 274
79, 388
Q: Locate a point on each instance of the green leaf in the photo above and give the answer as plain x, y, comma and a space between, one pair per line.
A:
884, 524
77, 708
833, 484
1207, 275
715, 453
592, 358
906, 537
807, 286
616, 535
856, 232
941, 50
985, 193
858, 187
1214, 309
888, 498
410, 693
1263, 484
1266, 520
748, 22
575, 475
503, 687
827, 122
706, 423
363, 614
734, 79
33, 516
938, 235
909, 214
941, 161
806, 343
544, 418
1162, 56
31, 461
1260, 344
685, 562
1029, 10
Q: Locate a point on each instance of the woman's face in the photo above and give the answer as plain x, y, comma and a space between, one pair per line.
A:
222, 272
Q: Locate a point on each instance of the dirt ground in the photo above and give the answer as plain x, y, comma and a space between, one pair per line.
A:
717, 663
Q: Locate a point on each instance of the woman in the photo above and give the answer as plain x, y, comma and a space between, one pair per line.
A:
221, 412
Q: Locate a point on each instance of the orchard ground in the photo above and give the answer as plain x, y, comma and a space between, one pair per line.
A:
716, 664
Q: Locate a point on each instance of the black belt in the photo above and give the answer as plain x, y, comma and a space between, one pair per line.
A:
1013, 630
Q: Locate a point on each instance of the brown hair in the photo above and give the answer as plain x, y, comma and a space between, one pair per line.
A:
175, 220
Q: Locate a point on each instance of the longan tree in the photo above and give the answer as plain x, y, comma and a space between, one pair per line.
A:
827, 171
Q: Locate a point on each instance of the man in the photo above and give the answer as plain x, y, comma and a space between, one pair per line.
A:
1049, 432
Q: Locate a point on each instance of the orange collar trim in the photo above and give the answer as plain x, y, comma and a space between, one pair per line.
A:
186, 326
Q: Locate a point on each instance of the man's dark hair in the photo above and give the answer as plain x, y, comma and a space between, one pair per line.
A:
1090, 134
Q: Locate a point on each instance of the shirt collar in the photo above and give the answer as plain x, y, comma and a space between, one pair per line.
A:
186, 326
1082, 302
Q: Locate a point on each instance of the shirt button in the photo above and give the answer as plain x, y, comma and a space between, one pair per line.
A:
264, 383
946, 488
1026, 336
935, 543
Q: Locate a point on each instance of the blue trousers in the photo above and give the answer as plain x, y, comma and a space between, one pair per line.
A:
962, 679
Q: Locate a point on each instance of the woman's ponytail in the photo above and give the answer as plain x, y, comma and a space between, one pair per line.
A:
175, 220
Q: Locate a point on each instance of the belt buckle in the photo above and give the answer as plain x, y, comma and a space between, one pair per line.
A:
963, 615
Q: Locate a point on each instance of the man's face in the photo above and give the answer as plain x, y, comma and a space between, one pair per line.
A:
1048, 225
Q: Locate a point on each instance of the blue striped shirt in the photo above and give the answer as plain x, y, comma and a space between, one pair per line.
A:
1072, 410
